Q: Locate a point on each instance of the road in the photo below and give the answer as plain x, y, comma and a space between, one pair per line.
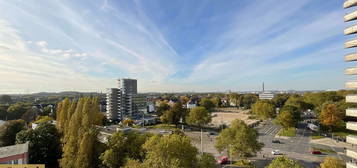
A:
297, 147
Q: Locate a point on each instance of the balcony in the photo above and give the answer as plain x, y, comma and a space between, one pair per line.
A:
352, 112
351, 99
351, 57
349, 3
350, 16
350, 30
351, 43
352, 139
351, 126
351, 85
351, 165
351, 71
352, 154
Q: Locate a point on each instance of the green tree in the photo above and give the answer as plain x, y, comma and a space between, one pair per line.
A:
5, 99
199, 116
217, 101
43, 119
162, 108
16, 110
44, 144
280, 99
9, 130
284, 162
331, 116
207, 103
248, 100
133, 164
239, 139
298, 102
173, 151
286, 119
206, 160
236, 99
332, 162
123, 146
3, 112
263, 109
174, 115
30, 115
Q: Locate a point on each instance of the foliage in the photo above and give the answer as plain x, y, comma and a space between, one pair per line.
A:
123, 146
217, 101
173, 151
280, 99
288, 116
162, 108
207, 103
239, 139
76, 120
244, 163
206, 160
199, 116
43, 119
30, 115
248, 100
44, 144
128, 122
332, 162
133, 164
16, 110
284, 162
174, 115
263, 109
9, 130
236, 99
298, 102
5, 99
331, 115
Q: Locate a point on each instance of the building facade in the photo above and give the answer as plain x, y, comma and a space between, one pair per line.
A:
351, 112
14, 154
124, 101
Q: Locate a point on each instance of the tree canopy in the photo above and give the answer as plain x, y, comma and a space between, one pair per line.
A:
9, 130
44, 144
284, 162
199, 116
332, 162
239, 139
263, 109
288, 116
5, 99
174, 114
331, 115
207, 103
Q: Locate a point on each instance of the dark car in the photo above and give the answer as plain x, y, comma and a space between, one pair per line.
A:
315, 152
275, 141
223, 160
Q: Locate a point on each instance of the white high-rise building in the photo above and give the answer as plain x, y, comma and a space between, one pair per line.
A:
124, 101
351, 112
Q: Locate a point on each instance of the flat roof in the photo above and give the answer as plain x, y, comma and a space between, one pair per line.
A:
13, 150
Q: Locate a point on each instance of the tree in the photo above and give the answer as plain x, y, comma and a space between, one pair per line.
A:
3, 112
236, 99
16, 110
128, 122
284, 162
248, 100
44, 144
133, 164
123, 146
9, 130
263, 109
286, 119
332, 162
280, 99
162, 108
298, 102
207, 103
5, 99
30, 115
199, 116
173, 151
43, 119
217, 101
239, 139
174, 115
206, 160
331, 115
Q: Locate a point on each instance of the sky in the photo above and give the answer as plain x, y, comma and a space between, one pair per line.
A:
172, 46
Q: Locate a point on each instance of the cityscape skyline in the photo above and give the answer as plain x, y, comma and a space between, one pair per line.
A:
171, 47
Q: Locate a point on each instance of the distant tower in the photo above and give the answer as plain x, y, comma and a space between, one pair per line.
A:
352, 98
263, 88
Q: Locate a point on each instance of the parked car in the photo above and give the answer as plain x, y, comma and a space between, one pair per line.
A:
276, 152
315, 152
275, 141
222, 160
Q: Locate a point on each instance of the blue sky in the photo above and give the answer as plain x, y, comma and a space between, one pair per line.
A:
169, 46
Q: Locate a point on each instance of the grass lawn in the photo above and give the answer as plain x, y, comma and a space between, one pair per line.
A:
316, 136
162, 126
290, 132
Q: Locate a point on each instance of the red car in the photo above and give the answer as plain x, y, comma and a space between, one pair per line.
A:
315, 152
222, 160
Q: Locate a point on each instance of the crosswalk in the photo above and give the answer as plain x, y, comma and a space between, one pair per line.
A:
271, 130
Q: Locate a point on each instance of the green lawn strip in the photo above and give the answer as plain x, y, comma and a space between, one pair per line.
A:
290, 132
162, 126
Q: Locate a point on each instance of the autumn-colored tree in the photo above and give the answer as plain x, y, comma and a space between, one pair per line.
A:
263, 109
331, 115
128, 122
332, 162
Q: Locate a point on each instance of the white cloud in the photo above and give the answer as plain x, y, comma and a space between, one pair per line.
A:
42, 44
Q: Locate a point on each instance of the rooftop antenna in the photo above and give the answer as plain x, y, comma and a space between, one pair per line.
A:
263, 87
